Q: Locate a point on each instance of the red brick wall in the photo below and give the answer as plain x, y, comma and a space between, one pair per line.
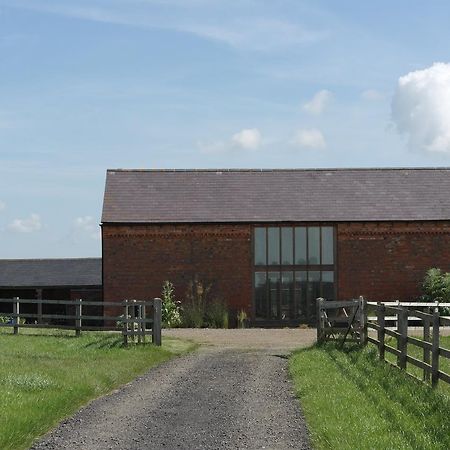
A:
137, 259
387, 261
382, 261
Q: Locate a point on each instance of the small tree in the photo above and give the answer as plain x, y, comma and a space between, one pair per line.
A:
171, 316
436, 286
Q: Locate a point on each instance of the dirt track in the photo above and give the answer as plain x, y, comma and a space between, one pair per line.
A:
222, 396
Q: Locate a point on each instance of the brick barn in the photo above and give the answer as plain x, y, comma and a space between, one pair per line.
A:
272, 241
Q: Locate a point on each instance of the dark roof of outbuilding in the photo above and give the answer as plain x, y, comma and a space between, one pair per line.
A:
50, 272
305, 195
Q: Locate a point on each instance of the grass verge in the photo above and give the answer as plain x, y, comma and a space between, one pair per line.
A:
46, 375
352, 400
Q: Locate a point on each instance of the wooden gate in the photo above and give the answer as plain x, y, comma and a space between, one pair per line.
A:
342, 320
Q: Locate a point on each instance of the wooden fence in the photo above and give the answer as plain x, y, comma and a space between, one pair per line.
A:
133, 323
339, 319
430, 342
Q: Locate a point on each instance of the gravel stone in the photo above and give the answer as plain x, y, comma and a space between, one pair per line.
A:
222, 396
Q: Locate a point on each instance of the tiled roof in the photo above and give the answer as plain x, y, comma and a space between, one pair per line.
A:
50, 272
305, 195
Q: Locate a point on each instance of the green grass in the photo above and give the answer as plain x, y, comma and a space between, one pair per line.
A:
46, 375
352, 400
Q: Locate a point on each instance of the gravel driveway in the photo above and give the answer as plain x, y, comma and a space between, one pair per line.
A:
221, 396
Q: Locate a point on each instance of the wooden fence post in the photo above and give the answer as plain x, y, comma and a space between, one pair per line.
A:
435, 349
426, 351
16, 311
156, 326
139, 323
143, 323
381, 312
402, 340
125, 322
133, 320
362, 321
320, 322
78, 312
39, 305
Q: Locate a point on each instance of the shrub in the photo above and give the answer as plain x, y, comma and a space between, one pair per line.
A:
194, 307
10, 320
217, 314
171, 315
436, 287
242, 319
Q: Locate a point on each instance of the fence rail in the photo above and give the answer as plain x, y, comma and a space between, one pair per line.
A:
357, 323
133, 323
429, 344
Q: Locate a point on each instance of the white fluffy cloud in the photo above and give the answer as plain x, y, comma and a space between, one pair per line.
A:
421, 108
318, 103
86, 226
248, 139
27, 225
309, 138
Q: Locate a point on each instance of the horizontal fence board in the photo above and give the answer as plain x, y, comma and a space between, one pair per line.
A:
418, 363
444, 376
410, 304
77, 302
339, 304
373, 340
63, 327
392, 350
73, 317
332, 330
372, 325
445, 321
444, 352
419, 343
392, 333
392, 310
420, 315
338, 320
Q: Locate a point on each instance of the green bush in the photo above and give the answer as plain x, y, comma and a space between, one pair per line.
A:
9, 319
171, 314
217, 314
436, 287
194, 306
241, 319
199, 311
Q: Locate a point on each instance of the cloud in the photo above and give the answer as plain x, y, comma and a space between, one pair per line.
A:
421, 108
204, 19
248, 139
28, 225
255, 34
2, 206
318, 103
86, 226
372, 95
309, 138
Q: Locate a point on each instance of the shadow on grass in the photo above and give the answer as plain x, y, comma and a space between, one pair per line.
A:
102, 342
419, 402
44, 334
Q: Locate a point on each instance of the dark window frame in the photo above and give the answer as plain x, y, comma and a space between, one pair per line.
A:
294, 268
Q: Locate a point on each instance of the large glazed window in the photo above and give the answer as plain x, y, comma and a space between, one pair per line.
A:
293, 265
